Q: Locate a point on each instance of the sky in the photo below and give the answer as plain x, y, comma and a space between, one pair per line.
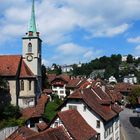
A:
73, 31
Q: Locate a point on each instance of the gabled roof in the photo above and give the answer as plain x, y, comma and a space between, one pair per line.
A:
14, 65
95, 103
51, 134
21, 134
73, 83
9, 65
37, 111
76, 125
25, 71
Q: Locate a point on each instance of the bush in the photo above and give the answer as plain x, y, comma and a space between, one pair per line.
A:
51, 107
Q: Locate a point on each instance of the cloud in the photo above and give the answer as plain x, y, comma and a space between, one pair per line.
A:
70, 49
134, 40
45, 62
57, 19
70, 53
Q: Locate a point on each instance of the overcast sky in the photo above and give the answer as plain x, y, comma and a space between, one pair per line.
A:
73, 31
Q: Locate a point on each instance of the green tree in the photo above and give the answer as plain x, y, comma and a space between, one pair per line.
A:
135, 93
130, 58
45, 83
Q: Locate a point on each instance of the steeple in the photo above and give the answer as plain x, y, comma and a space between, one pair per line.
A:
32, 24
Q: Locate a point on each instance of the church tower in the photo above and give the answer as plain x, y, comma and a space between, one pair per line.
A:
31, 50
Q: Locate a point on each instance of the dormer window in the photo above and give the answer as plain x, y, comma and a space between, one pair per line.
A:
30, 47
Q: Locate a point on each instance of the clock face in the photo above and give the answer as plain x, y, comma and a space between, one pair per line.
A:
29, 58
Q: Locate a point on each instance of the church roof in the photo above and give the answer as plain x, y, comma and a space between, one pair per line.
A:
9, 65
14, 65
32, 24
25, 70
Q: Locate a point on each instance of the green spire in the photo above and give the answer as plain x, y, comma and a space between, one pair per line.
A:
32, 23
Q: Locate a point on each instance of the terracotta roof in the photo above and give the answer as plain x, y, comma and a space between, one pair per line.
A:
76, 125
21, 134
47, 91
25, 70
9, 65
36, 111
51, 134
123, 87
51, 77
101, 94
73, 83
94, 102
41, 126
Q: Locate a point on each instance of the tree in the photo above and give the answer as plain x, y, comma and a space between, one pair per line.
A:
130, 58
45, 83
135, 93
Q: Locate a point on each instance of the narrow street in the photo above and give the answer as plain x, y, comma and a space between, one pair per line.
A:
130, 125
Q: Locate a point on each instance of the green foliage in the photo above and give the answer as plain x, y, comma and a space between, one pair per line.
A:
130, 58
56, 70
10, 111
11, 122
135, 93
51, 107
45, 83
3, 83
110, 64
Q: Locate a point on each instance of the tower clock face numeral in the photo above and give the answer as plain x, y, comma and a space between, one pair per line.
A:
29, 58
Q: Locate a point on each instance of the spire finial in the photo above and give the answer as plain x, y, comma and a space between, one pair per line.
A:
32, 23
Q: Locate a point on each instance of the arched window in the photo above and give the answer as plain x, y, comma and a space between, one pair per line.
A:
22, 85
30, 47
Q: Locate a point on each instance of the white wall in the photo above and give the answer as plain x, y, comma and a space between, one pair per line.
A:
91, 118
58, 90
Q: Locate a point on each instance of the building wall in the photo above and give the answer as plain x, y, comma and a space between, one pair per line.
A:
35, 64
13, 87
92, 118
27, 96
60, 91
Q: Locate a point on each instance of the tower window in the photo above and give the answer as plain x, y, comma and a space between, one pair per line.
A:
30, 47
22, 85
30, 84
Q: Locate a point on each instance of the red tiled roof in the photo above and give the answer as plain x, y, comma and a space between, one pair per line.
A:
101, 94
76, 125
51, 134
21, 134
47, 91
51, 77
94, 102
36, 111
123, 87
73, 83
25, 70
9, 65
41, 126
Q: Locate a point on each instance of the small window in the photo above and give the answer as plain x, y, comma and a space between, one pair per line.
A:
30, 85
84, 108
30, 47
73, 107
98, 124
22, 85
61, 92
56, 124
